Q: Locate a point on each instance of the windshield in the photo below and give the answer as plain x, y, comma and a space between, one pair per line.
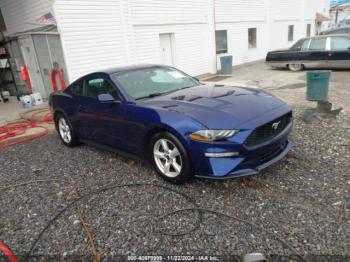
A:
154, 81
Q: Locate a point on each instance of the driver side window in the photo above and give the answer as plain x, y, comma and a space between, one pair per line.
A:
99, 86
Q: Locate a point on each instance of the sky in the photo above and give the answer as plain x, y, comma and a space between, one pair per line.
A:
339, 2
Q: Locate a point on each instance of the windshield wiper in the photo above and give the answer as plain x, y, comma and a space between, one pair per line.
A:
150, 95
160, 94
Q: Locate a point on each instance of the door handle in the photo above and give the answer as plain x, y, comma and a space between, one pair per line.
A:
329, 54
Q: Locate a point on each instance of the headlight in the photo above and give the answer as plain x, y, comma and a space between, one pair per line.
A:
212, 135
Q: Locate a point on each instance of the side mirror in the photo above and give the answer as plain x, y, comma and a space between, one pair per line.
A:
106, 98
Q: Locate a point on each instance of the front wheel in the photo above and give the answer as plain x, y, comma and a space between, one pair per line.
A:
170, 158
65, 131
295, 67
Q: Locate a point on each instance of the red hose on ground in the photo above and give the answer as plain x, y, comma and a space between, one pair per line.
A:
8, 253
12, 130
46, 118
31, 115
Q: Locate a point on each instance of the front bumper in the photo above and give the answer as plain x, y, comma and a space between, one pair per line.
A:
248, 161
259, 165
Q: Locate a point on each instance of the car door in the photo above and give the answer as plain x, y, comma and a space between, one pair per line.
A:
317, 53
339, 55
76, 90
102, 122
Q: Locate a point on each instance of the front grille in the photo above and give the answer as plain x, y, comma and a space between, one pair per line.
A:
258, 159
268, 131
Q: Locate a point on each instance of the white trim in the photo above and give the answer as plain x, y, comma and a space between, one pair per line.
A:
64, 47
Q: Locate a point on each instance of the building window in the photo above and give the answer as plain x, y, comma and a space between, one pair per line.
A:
290, 33
308, 30
221, 41
252, 37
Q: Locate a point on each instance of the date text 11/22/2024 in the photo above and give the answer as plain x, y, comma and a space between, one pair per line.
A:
173, 258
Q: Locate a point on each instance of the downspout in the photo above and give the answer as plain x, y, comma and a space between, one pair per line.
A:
214, 34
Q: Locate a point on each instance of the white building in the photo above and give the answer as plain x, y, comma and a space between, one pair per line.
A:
340, 16
189, 34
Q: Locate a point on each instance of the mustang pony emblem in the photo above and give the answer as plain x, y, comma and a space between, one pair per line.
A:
275, 125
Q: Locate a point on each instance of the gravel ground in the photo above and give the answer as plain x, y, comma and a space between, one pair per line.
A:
303, 199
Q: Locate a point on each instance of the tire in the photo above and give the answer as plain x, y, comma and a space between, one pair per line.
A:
169, 158
296, 67
65, 131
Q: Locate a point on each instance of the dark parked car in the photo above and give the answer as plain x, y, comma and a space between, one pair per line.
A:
184, 128
331, 51
337, 31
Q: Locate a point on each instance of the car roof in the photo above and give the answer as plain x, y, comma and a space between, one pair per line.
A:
113, 70
325, 36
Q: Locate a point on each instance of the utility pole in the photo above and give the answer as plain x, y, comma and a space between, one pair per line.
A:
336, 16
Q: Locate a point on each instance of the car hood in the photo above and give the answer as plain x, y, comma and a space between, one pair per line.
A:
217, 106
280, 50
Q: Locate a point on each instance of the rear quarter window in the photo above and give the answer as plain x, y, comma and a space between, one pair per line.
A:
340, 43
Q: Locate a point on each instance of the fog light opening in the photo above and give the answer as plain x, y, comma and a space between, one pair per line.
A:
222, 154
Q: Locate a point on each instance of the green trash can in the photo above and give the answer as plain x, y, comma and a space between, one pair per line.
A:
226, 65
317, 85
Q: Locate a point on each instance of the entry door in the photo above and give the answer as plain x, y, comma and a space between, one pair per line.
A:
30, 59
166, 49
50, 56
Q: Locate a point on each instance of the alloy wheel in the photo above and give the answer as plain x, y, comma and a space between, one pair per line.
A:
167, 158
64, 130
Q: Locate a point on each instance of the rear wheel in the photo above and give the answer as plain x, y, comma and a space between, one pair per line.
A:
170, 158
295, 67
65, 131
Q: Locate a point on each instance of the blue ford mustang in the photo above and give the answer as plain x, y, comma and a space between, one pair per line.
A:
183, 127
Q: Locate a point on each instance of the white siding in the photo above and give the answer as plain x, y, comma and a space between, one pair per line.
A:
191, 46
240, 11
20, 15
187, 20
236, 17
280, 33
107, 33
237, 34
168, 11
92, 34
271, 18
287, 9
